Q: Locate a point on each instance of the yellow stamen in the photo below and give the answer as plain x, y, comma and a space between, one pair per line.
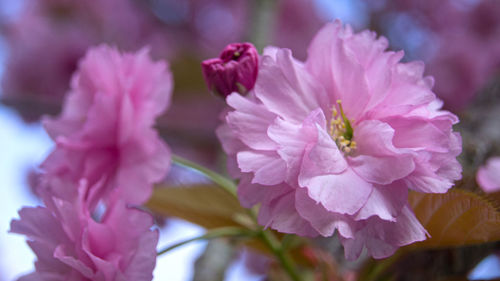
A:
340, 130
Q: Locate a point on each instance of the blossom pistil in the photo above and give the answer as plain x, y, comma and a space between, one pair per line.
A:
341, 131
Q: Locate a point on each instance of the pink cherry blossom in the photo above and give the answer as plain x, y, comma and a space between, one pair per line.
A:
105, 131
335, 143
488, 176
71, 245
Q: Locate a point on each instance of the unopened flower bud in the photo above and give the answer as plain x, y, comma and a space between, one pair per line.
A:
235, 70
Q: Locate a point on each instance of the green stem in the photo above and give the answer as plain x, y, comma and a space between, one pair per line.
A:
263, 16
274, 245
269, 239
227, 184
212, 234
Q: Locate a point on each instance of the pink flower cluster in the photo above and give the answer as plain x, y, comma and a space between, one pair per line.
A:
336, 142
106, 159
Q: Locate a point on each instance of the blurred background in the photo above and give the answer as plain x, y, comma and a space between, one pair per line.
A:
41, 42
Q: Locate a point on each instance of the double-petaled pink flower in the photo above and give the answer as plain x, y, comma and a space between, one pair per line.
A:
71, 245
335, 143
105, 132
107, 155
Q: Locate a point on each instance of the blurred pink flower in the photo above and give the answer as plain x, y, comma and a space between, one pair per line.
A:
459, 71
56, 52
71, 245
55, 35
105, 130
336, 142
488, 176
463, 53
235, 70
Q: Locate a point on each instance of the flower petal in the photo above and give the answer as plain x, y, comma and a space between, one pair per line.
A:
322, 220
343, 193
383, 238
386, 202
249, 122
268, 168
280, 214
286, 89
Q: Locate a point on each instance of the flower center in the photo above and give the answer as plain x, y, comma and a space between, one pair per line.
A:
341, 130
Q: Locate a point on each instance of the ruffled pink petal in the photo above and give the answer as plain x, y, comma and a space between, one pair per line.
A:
143, 262
286, 89
386, 202
268, 168
250, 194
39, 224
337, 69
420, 133
280, 214
295, 139
376, 159
230, 142
323, 221
407, 78
250, 122
343, 193
75, 264
140, 168
46, 263
322, 157
445, 164
382, 170
383, 238
375, 138
426, 177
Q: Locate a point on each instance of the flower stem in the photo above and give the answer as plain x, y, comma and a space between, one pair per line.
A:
225, 183
274, 245
263, 16
212, 234
267, 237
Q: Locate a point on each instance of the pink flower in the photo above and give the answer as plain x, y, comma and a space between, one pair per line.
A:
55, 34
105, 131
71, 245
488, 176
234, 71
56, 51
335, 143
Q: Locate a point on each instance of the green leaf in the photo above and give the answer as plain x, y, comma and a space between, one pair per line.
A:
456, 218
206, 205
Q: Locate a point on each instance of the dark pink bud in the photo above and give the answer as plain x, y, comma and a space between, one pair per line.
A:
235, 70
